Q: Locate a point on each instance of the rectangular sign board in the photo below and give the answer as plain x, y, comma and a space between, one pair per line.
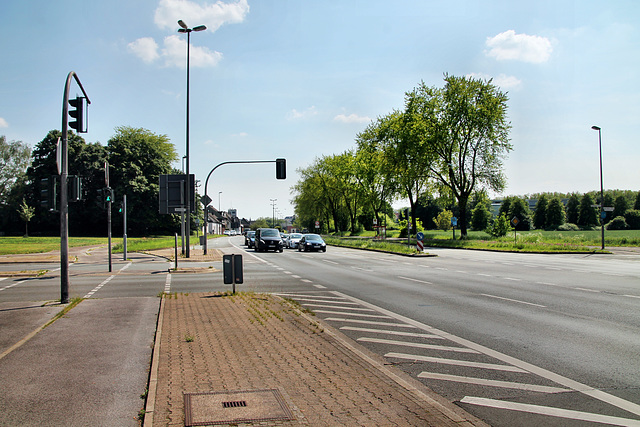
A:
173, 193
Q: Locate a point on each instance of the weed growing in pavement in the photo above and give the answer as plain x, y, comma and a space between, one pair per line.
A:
65, 310
189, 338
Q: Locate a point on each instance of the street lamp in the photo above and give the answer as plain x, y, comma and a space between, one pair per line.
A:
601, 184
273, 214
219, 193
185, 29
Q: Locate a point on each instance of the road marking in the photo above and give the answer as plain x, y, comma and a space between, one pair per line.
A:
388, 332
514, 300
3, 278
587, 290
372, 316
295, 276
484, 275
550, 411
418, 345
97, 288
455, 362
330, 262
513, 279
12, 285
360, 268
344, 308
167, 284
632, 296
306, 280
493, 383
317, 286
415, 280
368, 322
600, 395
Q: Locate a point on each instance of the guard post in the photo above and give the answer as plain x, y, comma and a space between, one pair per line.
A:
232, 269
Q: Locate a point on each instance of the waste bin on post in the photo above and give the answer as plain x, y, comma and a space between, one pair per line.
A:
232, 269
202, 240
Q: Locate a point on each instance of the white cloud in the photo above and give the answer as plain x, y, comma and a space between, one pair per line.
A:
145, 48
351, 118
502, 81
520, 47
174, 54
298, 115
3, 123
212, 15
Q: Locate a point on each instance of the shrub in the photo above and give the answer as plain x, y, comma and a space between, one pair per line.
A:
500, 227
632, 217
617, 223
567, 226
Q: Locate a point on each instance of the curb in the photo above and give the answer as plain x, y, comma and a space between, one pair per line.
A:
153, 371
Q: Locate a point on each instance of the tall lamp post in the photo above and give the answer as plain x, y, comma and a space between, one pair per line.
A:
185, 29
601, 183
273, 214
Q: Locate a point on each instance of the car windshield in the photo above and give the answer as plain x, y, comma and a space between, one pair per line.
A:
313, 237
295, 235
270, 233
251, 233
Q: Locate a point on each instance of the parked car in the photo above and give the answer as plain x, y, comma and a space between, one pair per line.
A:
292, 240
268, 238
250, 239
311, 242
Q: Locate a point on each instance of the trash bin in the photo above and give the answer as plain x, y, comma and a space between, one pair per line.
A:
202, 240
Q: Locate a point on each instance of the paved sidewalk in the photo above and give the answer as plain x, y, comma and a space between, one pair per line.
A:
272, 365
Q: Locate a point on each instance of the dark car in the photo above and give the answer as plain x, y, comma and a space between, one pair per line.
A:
312, 242
250, 239
268, 238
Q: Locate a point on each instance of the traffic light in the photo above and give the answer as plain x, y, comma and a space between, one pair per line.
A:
281, 169
77, 114
74, 188
49, 193
107, 194
120, 207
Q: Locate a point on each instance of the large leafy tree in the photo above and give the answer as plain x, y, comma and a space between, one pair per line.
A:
555, 213
137, 158
587, 216
14, 160
466, 130
540, 214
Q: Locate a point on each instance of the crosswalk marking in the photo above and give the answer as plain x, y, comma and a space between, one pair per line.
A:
455, 362
492, 383
369, 322
344, 313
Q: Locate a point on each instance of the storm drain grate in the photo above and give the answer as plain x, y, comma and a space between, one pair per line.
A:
227, 407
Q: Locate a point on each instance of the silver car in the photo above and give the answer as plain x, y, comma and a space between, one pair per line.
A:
293, 239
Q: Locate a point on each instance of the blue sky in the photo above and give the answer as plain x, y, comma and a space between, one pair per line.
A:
299, 79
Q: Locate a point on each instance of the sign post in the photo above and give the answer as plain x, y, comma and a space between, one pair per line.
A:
419, 243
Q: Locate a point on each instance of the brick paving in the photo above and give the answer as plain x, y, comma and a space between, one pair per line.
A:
213, 343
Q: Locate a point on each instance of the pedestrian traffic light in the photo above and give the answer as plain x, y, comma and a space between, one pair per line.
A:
120, 207
78, 114
107, 193
281, 168
74, 188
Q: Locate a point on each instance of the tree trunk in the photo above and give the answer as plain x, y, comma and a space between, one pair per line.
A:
462, 221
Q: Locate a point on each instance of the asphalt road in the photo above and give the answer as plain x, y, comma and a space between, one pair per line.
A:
515, 339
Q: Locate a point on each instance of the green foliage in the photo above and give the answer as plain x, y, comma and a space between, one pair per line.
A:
555, 214
587, 216
618, 223
573, 209
26, 213
481, 217
632, 217
567, 226
620, 206
14, 160
636, 205
540, 214
519, 208
443, 220
500, 227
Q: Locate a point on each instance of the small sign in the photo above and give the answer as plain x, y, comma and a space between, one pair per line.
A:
515, 221
317, 224
205, 200
454, 221
603, 215
375, 221
420, 236
420, 246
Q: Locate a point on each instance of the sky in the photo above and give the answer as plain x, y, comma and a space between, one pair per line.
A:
299, 79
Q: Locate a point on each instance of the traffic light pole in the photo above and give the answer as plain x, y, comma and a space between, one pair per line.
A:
281, 173
64, 197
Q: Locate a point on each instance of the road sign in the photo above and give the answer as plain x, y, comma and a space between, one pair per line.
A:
454, 221
205, 200
420, 236
317, 224
515, 221
420, 246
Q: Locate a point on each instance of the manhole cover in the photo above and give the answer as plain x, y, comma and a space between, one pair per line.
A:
226, 407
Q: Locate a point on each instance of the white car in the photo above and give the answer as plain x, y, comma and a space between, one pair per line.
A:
293, 239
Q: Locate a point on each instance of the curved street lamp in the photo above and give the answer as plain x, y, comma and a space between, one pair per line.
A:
601, 183
185, 29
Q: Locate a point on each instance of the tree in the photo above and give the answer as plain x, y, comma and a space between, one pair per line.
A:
573, 209
632, 218
540, 214
14, 160
137, 158
587, 217
555, 214
620, 206
520, 209
26, 213
636, 205
443, 220
481, 217
500, 226
465, 128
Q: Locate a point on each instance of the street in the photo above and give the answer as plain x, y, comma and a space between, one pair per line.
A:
514, 339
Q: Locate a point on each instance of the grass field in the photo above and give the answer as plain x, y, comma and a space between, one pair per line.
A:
528, 241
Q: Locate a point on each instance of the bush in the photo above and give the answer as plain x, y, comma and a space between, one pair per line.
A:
500, 227
632, 217
617, 223
567, 226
